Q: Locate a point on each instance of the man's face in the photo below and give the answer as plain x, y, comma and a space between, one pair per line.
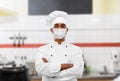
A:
60, 25
59, 30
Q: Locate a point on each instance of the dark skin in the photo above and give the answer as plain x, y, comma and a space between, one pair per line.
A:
59, 41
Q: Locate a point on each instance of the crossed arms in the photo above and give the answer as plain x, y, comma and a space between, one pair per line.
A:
63, 66
64, 71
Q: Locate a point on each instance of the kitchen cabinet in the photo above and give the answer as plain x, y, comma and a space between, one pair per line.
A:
89, 77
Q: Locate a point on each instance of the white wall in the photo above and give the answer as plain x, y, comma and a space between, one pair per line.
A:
8, 4
18, 6
105, 6
83, 29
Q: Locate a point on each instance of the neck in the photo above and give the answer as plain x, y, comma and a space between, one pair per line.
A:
59, 41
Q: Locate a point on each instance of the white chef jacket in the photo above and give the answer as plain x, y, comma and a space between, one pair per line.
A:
57, 54
117, 79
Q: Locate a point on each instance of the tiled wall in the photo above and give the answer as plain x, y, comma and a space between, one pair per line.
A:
83, 29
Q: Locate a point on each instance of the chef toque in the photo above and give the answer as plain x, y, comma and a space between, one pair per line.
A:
57, 17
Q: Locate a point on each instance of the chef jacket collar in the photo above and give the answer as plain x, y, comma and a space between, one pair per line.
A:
63, 43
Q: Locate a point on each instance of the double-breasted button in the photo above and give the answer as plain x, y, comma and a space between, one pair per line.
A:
51, 55
65, 55
51, 46
53, 77
66, 46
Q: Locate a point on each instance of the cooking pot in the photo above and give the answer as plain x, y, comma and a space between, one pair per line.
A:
14, 74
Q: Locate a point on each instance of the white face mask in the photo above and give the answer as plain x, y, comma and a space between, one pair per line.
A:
59, 33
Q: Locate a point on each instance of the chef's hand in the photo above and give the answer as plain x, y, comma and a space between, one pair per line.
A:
44, 60
66, 66
63, 66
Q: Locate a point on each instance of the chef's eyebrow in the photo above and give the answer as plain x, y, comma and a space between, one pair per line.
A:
55, 25
63, 25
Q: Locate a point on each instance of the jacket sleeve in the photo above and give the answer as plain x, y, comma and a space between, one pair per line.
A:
76, 70
117, 79
46, 69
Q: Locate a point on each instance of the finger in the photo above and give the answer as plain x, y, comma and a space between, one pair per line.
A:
44, 59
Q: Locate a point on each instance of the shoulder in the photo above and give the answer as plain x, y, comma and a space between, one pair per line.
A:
74, 47
45, 47
75, 50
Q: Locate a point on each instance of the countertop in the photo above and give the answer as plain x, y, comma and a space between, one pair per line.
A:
89, 76
98, 76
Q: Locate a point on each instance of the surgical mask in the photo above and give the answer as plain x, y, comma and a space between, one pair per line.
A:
59, 33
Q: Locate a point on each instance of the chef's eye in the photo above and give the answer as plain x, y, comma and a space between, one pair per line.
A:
63, 26
56, 26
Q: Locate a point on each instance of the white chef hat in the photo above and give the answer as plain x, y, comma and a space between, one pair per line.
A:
57, 17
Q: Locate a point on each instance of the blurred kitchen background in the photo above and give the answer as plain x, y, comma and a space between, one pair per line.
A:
94, 26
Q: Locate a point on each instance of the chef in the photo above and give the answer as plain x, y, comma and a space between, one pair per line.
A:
59, 60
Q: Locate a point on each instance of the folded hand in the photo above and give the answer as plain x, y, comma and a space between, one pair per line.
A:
44, 60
